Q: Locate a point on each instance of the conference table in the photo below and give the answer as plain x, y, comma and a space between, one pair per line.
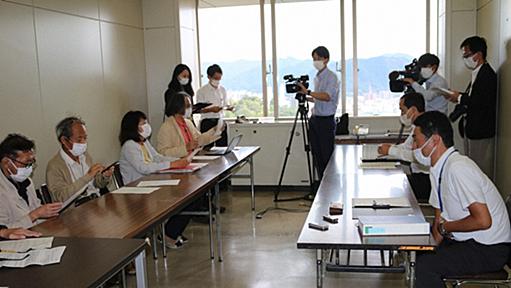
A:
135, 215
344, 180
86, 262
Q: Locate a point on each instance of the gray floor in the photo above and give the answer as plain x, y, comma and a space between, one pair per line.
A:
257, 253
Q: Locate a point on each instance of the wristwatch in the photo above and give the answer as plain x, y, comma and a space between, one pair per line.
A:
441, 229
309, 92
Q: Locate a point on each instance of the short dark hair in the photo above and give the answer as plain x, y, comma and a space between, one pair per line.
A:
414, 99
15, 143
429, 59
64, 128
435, 122
322, 52
129, 126
214, 69
176, 104
476, 44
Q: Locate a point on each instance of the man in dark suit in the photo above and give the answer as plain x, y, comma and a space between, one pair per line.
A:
479, 104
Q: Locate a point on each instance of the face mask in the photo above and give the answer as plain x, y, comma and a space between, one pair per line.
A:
318, 64
426, 72
424, 160
22, 174
470, 63
188, 112
183, 81
215, 83
78, 149
405, 120
146, 130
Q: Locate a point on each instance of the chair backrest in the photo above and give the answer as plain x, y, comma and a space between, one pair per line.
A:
118, 176
45, 195
508, 208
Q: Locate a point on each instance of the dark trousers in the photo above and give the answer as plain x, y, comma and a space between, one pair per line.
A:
421, 186
454, 258
176, 224
206, 124
322, 140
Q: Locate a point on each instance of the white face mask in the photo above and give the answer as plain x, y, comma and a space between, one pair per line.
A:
188, 112
318, 64
22, 174
421, 158
146, 130
426, 72
405, 120
78, 149
215, 83
183, 81
470, 63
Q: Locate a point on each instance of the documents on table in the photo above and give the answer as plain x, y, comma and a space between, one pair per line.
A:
379, 165
158, 183
380, 203
205, 158
135, 190
192, 167
392, 225
33, 251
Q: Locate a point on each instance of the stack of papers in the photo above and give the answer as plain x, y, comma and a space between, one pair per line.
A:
392, 225
205, 158
192, 167
158, 183
134, 190
391, 202
26, 252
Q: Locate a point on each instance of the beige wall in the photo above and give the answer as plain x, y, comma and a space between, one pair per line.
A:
62, 58
493, 23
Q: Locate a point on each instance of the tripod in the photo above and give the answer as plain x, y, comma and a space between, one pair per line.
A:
302, 111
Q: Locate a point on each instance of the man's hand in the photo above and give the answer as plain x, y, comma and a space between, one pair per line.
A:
408, 80
453, 97
213, 109
46, 211
192, 145
17, 233
108, 173
383, 149
230, 108
183, 162
302, 88
95, 169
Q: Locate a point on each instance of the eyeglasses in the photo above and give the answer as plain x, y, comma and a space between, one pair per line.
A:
25, 165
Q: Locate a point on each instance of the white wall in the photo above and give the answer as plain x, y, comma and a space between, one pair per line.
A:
62, 58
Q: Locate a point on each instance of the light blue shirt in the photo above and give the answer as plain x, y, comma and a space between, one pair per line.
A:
434, 100
326, 81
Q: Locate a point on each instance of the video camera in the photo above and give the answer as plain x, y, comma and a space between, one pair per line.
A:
292, 86
396, 82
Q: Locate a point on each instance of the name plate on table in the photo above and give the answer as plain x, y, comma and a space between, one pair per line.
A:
392, 225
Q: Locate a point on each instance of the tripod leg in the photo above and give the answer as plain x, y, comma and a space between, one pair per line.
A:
306, 145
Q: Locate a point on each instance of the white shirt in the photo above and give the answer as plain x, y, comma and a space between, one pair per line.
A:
463, 184
78, 170
215, 96
474, 77
435, 101
404, 151
132, 162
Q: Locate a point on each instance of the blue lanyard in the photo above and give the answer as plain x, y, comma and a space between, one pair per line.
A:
440, 181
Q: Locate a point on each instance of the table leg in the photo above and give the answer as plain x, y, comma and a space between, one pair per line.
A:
218, 224
163, 243
155, 243
412, 269
251, 162
211, 246
319, 268
140, 266
122, 278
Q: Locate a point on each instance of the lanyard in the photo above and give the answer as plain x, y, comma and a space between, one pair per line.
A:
439, 189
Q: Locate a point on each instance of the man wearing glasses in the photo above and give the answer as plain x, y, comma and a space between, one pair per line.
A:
479, 104
19, 205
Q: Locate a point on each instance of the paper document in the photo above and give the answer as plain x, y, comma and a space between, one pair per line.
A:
379, 165
24, 245
219, 126
193, 153
444, 91
192, 167
135, 190
158, 183
371, 202
33, 257
205, 158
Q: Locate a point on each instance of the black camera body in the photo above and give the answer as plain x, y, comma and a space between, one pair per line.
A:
459, 110
396, 83
292, 86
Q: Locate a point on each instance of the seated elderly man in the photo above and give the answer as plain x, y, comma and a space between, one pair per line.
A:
72, 170
19, 205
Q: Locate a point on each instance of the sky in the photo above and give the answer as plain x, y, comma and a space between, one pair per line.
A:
233, 33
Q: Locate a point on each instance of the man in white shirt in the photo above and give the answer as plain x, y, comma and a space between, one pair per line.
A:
471, 222
71, 170
412, 105
216, 95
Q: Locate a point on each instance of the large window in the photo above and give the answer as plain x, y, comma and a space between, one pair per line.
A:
256, 45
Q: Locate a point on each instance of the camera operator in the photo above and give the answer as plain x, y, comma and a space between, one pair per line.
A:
435, 101
325, 97
477, 105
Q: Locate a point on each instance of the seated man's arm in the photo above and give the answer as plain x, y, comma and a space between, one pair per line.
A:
479, 219
61, 189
